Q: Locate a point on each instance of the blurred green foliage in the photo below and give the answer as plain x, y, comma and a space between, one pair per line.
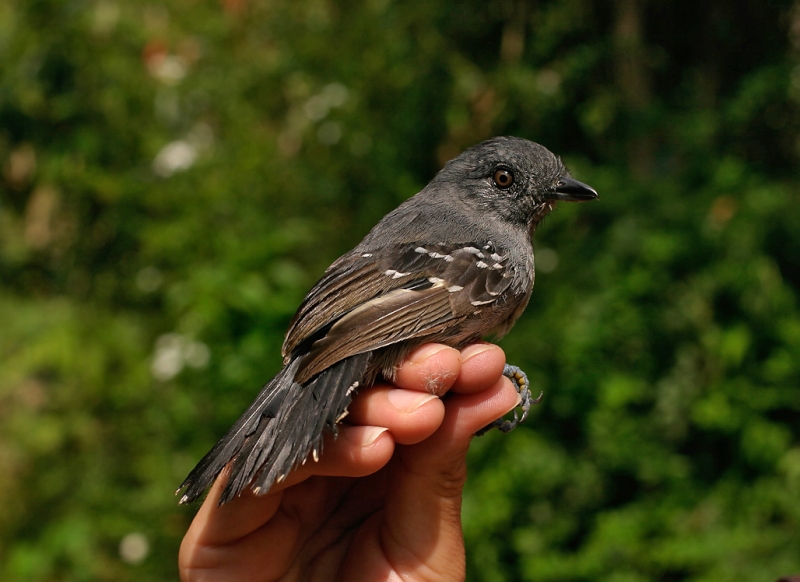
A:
176, 174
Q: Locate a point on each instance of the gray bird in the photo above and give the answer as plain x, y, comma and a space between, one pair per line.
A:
452, 264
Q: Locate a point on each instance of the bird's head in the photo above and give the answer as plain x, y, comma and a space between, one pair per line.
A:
518, 179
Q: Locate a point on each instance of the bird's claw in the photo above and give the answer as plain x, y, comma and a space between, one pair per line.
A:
522, 386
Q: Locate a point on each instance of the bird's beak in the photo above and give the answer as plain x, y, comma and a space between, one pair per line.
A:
572, 191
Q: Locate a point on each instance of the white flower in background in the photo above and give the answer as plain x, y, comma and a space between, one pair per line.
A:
316, 108
332, 96
335, 94
133, 548
173, 352
169, 69
174, 157
181, 154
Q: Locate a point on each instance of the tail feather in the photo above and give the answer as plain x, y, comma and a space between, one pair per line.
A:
279, 430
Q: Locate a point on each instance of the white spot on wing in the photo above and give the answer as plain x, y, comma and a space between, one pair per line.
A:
366, 255
394, 274
454, 288
420, 250
474, 251
481, 302
481, 264
435, 255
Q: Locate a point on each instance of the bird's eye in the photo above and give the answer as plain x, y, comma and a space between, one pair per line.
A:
503, 178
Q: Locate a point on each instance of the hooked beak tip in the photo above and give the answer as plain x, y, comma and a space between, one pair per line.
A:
571, 190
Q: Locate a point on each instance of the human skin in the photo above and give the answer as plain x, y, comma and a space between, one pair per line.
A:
384, 501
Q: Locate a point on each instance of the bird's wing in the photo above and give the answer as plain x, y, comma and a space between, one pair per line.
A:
364, 303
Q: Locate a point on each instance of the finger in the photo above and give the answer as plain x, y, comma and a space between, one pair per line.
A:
220, 539
481, 366
216, 525
229, 542
430, 368
410, 408
358, 451
466, 414
231, 538
410, 415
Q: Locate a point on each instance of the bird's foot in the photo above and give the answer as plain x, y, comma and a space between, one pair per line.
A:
522, 386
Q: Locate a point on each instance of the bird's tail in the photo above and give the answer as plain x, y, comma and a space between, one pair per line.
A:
280, 429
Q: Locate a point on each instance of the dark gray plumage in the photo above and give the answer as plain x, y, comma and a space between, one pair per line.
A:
451, 264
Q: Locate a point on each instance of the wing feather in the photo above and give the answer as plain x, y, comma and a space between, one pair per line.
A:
366, 301
396, 316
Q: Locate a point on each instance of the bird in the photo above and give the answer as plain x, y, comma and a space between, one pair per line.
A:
452, 264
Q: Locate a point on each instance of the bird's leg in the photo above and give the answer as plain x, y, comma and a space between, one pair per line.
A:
522, 386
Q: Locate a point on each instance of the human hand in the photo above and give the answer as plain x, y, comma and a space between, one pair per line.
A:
383, 502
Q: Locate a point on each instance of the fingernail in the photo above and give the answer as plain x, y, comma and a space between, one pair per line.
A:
419, 355
408, 400
364, 436
474, 350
